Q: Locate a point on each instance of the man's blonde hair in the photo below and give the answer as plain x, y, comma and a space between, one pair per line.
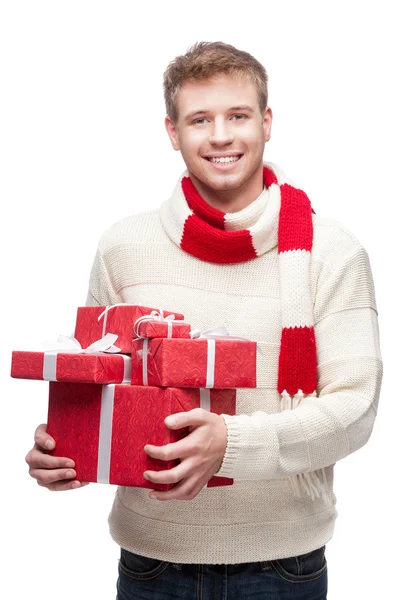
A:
207, 60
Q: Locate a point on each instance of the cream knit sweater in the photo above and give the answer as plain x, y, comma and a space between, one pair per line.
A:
258, 518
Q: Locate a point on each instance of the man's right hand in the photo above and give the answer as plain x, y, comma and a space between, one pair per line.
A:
53, 472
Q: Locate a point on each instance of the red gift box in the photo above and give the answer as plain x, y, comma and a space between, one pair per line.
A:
64, 366
118, 319
104, 428
195, 363
163, 329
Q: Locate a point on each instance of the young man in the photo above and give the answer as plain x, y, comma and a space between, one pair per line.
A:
237, 243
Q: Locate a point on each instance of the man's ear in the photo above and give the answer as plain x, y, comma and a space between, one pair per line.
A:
171, 129
267, 123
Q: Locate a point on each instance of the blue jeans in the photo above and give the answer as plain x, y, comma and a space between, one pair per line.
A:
302, 577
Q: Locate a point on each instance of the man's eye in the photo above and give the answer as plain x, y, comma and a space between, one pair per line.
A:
203, 119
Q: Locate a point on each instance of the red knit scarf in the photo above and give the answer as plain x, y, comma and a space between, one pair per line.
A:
205, 234
205, 237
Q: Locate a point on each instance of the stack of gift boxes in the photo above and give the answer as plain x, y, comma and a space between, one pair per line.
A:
106, 403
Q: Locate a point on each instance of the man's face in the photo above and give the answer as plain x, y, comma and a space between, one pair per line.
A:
211, 125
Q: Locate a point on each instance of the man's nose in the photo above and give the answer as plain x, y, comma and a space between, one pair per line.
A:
221, 133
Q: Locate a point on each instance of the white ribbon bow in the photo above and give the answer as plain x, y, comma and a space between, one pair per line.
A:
217, 333
68, 344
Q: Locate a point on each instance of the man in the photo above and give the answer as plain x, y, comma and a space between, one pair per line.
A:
237, 243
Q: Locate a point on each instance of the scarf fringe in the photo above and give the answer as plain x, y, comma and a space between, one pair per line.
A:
313, 483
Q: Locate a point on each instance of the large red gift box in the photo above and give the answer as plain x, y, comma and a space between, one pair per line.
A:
104, 428
65, 366
118, 319
194, 363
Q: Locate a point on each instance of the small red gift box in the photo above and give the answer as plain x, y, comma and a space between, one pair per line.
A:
118, 319
163, 329
201, 362
64, 366
104, 428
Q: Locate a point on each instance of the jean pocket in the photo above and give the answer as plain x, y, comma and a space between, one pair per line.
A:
140, 567
302, 568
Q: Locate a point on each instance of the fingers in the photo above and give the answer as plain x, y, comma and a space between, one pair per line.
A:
57, 479
47, 476
188, 476
187, 489
181, 449
53, 472
63, 486
169, 476
194, 417
37, 459
43, 439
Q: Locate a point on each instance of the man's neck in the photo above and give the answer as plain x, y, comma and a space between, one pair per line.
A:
229, 201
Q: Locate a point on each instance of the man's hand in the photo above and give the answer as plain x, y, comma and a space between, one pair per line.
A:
201, 454
52, 472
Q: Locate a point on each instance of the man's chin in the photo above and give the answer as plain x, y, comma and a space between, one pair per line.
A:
220, 182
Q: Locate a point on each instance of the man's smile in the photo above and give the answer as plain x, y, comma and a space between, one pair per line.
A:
224, 163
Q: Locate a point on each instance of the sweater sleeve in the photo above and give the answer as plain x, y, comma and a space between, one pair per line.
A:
101, 291
339, 419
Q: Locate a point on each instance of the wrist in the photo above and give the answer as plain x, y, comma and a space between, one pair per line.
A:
230, 459
223, 436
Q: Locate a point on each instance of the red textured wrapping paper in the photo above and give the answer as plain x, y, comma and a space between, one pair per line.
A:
119, 320
184, 363
159, 329
74, 414
83, 368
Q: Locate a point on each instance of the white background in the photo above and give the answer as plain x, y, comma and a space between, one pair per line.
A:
83, 144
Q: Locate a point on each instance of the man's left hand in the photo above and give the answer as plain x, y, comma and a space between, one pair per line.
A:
201, 454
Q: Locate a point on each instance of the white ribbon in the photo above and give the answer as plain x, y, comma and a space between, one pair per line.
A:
218, 333
70, 345
210, 364
145, 361
114, 306
127, 369
205, 399
215, 333
105, 433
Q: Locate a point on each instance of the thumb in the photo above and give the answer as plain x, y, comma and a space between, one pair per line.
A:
43, 439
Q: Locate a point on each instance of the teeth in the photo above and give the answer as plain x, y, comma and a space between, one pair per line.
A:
227, 159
